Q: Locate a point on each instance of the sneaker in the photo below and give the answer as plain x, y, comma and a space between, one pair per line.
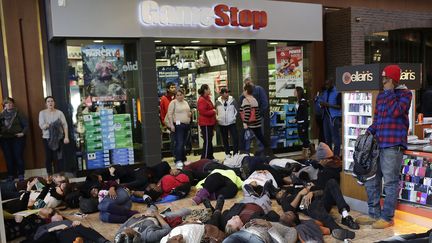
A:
269, 188
365, 220
250, 190
342, 234
227, 156
179, 165
208, 204
220, 202
382, 224
349, 221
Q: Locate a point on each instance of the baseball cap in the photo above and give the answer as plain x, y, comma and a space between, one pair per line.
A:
224, 90
393, 72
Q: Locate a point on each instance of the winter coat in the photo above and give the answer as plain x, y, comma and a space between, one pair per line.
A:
207, 115
226, 114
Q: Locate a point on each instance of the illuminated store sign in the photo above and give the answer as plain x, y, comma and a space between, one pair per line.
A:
220, 15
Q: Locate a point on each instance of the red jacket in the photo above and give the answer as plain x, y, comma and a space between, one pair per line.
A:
164, 103
206, 110
169, 182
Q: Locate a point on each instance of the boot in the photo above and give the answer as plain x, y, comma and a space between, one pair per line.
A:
312, 149
305, 153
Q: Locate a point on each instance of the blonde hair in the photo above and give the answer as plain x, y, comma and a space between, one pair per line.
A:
229, 229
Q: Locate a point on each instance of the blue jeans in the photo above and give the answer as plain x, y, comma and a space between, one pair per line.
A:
13, 149
332, 133
243, 236
181, 133
388, 169
115, 210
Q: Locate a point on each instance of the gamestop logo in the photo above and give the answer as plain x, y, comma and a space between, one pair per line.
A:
364, 76
220, 15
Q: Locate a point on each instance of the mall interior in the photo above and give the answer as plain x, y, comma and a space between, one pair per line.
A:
107, 64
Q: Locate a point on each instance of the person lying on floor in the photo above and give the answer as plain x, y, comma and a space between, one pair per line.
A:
11, 189
170, 187
66, 231
149, 226
262, 231
255, 182
204, 166
117, 209
250, 207
219, 182
317, 204
197, 231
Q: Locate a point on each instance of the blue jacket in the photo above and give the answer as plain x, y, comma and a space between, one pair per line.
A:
331, 96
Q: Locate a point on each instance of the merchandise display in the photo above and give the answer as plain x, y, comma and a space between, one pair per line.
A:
357, 112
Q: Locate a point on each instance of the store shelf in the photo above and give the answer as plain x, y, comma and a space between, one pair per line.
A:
351, 136
359, 101
359, 113
357, 125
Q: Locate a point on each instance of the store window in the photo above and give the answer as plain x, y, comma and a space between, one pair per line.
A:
289, 67
103, 85
188, 67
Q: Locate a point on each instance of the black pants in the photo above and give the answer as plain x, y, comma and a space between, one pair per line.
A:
13, 149
303, 132
220, 185
70, 234
53, 155
207, 135
320, 207
232, 129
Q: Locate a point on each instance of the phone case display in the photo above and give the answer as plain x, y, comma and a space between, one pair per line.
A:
108, 139
357, 118
416, 179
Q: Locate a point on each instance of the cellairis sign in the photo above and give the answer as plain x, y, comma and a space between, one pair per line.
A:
221, 15
369, 76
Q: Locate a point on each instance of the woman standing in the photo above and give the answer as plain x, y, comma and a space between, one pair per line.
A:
251, 117
54, 134
13, 128
302, 120
179, 116
206, 120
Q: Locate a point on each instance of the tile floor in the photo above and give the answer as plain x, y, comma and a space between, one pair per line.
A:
365, 234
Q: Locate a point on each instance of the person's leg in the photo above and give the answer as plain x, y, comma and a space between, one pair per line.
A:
8, 190
224, 135
259, 135
390, 165
215, 219
48, 157
234, 138
179, 142
327, 128
214, 182
205, 136
317, 211
333, 195
88, 234
7, 147
303, 132
59, 166
19, 144
186, 140
373, 191
229, 190
172, 142
336, 134
210, 142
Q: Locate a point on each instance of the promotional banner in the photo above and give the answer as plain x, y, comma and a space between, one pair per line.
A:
166, 75
289, 70
103, 72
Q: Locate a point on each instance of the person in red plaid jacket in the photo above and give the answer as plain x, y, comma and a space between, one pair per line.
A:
390, 128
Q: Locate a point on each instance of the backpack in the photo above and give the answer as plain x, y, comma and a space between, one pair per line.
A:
366, 155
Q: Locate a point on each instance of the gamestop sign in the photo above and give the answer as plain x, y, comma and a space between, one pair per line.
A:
220, 15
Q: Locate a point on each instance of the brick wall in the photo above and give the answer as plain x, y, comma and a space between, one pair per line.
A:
345, 32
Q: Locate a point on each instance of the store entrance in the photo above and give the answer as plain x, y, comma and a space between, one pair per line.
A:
189, 67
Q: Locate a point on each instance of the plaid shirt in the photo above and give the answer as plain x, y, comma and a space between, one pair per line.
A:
390, 123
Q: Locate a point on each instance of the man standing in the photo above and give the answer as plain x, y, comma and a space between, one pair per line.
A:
331, 102
165, 100
226, 110
390, 128
263, 102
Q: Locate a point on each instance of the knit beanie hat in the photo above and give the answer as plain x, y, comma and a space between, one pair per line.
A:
323, 151
393, 72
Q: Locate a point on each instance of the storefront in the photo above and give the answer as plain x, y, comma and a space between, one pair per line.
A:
110, 62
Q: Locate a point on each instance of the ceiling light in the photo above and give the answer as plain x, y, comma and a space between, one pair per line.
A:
273, 43
195, 41
157, 41
231, 42
383, 39
98, 41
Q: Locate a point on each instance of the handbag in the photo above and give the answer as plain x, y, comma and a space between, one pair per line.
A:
166, 120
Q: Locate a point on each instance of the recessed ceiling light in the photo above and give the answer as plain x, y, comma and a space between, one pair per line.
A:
273, 43
98, 41
383, 39
157, 41
231, 42
195, 41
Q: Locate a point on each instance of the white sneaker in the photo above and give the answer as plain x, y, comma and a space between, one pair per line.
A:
179, 165
227, 156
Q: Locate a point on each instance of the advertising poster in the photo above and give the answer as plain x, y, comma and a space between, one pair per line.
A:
166, 75
289, 70
103, 72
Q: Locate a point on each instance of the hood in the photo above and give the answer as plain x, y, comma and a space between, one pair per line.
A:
401, 86
230, 99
